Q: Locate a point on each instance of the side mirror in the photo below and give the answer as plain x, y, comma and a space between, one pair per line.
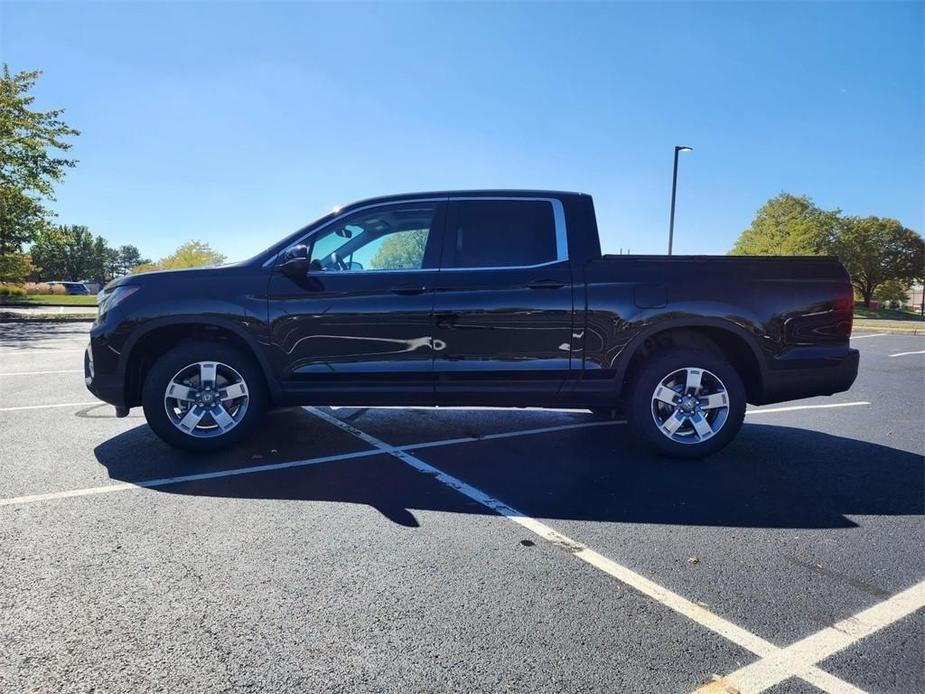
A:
295, 261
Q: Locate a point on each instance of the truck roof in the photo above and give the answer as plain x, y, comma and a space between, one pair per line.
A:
491, 192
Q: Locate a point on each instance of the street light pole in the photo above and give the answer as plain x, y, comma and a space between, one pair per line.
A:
674, 189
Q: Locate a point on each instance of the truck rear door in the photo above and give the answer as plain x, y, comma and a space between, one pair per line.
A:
503, 301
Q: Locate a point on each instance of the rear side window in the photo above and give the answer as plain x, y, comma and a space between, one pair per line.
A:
500, 233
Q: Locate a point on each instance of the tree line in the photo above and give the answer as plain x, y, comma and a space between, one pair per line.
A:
33, 158
883, 257
72, 253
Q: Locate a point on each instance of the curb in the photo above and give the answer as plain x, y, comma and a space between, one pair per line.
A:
7, 304
890, 331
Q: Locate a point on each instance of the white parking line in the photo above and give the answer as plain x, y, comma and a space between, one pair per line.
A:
776, 664
298, 463
39, 373
861, 337
905, 354
678, 603
769, 410
164, 481
60, 404
798, 657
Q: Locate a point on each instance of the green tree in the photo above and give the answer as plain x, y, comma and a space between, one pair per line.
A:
69, 253
892, 291
875, 251
404, 249
787, 225
190, 254
145, 267
31, 143
127, 257
104, 262
15, 267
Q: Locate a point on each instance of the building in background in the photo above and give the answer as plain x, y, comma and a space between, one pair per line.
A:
914, 300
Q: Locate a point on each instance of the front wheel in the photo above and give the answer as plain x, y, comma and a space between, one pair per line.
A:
687, 403
203, 396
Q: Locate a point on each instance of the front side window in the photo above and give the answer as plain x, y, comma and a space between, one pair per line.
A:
392, 237
501, 233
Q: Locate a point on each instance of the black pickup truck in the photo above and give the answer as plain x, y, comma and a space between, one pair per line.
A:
472, 298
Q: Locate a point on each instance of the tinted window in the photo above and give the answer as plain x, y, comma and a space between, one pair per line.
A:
501, 233
382, 238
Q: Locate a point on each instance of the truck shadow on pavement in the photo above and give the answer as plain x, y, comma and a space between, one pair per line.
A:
770, 477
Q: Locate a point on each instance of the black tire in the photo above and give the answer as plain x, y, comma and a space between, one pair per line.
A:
642, 409
184, 355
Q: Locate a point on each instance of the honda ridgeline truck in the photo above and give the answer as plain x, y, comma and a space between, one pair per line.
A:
498, 298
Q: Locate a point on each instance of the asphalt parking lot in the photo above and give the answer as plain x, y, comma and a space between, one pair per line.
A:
413, 550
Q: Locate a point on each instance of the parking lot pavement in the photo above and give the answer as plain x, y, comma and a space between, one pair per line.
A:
71, 311
377, 549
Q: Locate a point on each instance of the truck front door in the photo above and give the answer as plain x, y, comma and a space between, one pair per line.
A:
359, 321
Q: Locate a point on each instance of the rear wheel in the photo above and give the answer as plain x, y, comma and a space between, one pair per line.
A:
687, 403
203, 396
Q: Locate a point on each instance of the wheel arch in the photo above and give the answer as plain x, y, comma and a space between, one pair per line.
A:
157, 336
724, 337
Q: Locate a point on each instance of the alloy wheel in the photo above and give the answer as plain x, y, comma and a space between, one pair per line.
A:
206, 399
690, 405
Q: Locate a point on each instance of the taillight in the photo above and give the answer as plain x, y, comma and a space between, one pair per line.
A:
843, 308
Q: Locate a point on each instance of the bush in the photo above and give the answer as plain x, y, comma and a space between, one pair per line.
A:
892, 292
11, 290
58, 289
37, 288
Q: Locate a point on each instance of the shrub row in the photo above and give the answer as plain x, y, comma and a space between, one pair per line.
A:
11, 290
30, 288
43, 288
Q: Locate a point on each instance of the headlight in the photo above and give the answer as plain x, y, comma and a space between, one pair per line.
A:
110, 298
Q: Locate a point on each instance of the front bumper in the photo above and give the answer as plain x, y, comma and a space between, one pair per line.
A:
102, 376
827, 375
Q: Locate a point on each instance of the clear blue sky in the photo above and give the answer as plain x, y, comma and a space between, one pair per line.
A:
236, 123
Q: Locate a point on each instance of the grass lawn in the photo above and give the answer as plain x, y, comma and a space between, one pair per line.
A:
861, 313
903, 326
50, 300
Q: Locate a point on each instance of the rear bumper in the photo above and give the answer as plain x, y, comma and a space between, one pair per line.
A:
822, 375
